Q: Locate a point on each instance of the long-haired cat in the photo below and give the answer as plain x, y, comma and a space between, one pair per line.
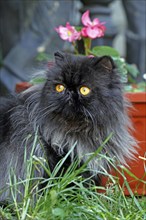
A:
80, 102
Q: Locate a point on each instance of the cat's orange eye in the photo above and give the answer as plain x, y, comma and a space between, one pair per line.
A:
60, 88
84, 90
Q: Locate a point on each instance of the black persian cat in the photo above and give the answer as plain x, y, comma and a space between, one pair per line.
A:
80, 102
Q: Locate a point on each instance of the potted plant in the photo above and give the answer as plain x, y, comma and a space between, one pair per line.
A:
136, 94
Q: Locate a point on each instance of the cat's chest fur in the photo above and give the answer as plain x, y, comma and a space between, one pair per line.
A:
80, 142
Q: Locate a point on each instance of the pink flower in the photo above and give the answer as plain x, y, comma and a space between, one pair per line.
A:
68, 33
92, 29
91, 56
87, 21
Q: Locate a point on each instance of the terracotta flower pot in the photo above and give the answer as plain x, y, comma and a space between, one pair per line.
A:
20, 87
138, 167
138, 117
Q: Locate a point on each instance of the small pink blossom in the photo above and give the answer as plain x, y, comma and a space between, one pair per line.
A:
92, 32
87, 21
91, 56
84, 32
68, 32
92, 29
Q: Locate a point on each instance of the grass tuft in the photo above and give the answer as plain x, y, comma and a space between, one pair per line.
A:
65, 197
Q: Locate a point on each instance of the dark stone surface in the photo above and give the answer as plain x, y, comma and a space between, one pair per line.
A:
136, 33
25, 27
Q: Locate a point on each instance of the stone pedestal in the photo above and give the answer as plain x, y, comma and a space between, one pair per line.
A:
136, 34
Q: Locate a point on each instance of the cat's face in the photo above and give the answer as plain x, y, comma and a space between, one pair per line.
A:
82, 88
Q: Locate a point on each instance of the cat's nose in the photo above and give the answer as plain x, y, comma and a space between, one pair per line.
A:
70, 98
70, 102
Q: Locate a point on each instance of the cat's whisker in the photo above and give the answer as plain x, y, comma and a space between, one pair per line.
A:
46, 113
46, 108
89, 115
32, 97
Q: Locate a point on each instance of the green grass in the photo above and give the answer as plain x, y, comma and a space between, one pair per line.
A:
66, 197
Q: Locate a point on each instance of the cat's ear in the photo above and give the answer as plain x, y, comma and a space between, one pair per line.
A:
59, 57
105, 62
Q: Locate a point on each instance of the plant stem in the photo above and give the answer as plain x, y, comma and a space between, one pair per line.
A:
87, 45
75, 48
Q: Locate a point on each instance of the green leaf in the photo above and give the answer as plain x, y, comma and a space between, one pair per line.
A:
104, 50
53, 195
42, 56
132, 70
138, 87
38, 80
121, 65
78, 28
58, 212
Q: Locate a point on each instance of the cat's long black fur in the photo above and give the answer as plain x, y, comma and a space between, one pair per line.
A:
68, 117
